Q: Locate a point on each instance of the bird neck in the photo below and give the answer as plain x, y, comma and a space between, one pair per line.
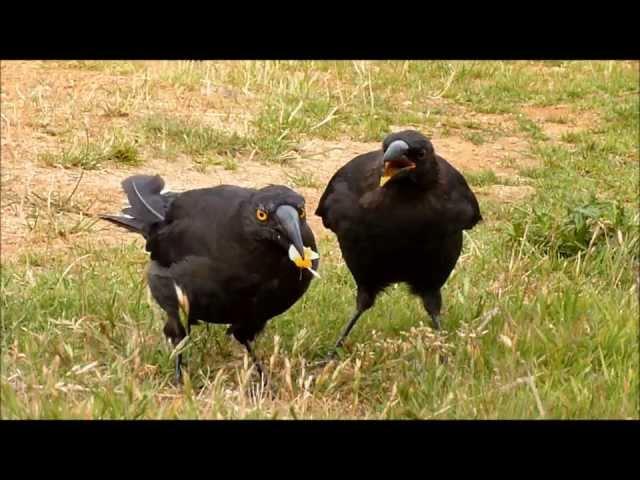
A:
426, 174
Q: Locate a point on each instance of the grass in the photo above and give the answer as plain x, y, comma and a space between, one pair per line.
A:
93, 155
541, 312
482, 178
531, 128
304, 179
474, 137
171, 136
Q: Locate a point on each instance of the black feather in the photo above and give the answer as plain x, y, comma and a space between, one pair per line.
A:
131, 224
143, 193
148, 206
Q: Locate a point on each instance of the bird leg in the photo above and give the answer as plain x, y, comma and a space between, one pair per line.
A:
178, 361
255, 360
432, 301
178, 370
174, 330
435, 321
364, 302
346, 330
264, 379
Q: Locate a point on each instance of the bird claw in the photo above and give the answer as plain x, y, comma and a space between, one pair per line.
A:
330, 357
444, 360
263, 387
435, 321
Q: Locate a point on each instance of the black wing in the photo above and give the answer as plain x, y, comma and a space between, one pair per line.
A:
199, 222
348, 184
461, 211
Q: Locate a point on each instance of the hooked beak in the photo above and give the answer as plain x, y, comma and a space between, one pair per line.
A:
395, 160
290, 222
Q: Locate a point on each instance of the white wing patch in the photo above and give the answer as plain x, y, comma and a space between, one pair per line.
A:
183, 300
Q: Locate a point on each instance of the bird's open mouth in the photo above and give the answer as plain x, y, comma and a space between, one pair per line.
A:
393, 167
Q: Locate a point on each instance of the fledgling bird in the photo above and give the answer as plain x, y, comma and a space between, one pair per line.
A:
399, 213
225, 254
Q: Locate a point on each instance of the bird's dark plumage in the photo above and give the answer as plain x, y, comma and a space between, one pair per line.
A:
224, 248
399, 214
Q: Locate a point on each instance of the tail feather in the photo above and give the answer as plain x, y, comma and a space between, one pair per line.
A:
130, 224
147, 205
143, 193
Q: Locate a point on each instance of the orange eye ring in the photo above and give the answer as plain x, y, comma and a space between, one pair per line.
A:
261, 215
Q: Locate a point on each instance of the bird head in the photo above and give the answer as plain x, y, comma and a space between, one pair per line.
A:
277, 215
405, 154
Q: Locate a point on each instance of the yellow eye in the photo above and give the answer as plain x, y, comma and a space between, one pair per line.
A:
302, 214
261, 215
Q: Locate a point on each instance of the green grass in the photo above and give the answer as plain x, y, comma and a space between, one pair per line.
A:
304, 179
556, 319
110, 67
531, 128
91, 155
482, 178
540, 314
170, 135
474, 137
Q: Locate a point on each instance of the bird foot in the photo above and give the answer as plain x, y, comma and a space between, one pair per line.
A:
330, 357
435, 322
262, 388
443, 358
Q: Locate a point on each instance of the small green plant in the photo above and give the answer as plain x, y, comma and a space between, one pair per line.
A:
584, 225
87, 157
124, 153
192, 138
531, 128
91, 156
112, 67
230, 164
481, 178
303, 179
475, 137
572, 137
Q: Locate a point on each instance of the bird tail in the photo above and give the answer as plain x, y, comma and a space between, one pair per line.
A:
147, 204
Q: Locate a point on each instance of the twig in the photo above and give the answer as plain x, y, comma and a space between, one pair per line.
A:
75, 188
487, 316
71, 266
532, 384
447, 84
309, 155
295, 110
515, 383
328, 118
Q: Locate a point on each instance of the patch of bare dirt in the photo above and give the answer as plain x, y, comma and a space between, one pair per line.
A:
558, 120
504, 155
506, 193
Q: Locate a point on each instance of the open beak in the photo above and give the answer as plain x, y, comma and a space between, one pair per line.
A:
290, 223
395, 160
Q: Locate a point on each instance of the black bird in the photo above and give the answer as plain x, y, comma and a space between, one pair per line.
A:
399, 214
225, 254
